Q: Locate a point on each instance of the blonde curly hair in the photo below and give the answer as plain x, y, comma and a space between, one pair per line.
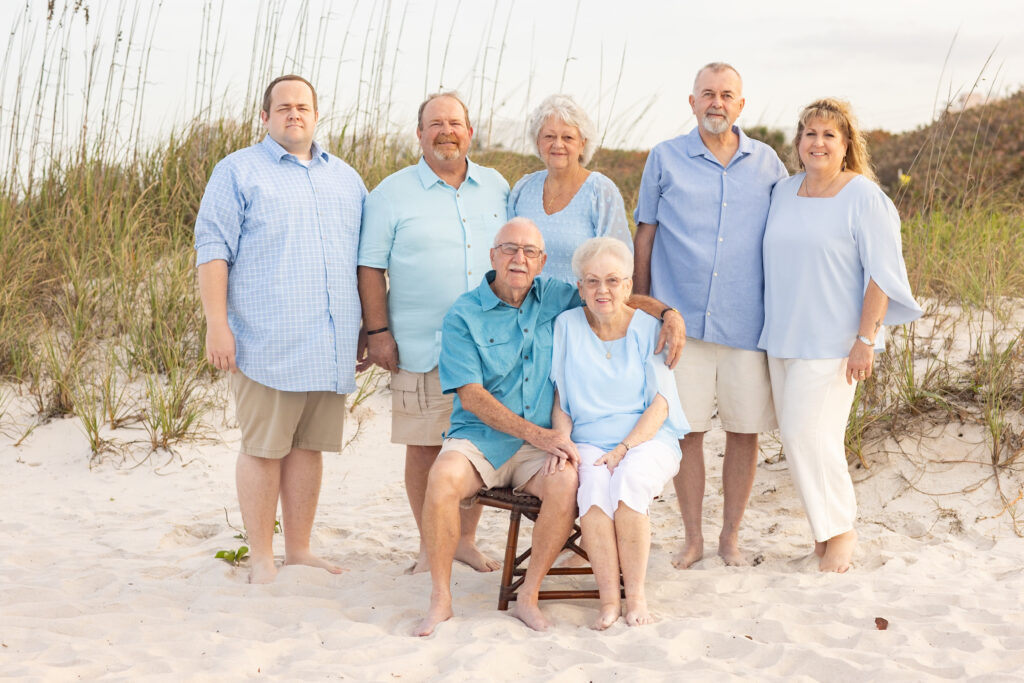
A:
840, 113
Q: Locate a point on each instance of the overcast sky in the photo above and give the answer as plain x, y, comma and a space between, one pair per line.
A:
888, 57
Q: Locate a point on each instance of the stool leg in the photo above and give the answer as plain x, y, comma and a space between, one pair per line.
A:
509, 565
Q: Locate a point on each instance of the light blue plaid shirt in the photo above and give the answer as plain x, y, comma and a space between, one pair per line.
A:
290, 236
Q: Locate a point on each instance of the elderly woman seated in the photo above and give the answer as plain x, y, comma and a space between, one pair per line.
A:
620, 404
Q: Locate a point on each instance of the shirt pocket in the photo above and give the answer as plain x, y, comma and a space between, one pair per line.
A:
498, 352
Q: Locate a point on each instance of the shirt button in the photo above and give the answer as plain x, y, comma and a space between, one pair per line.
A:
715, 274
463, 220
491, 340
526, 329
708, 314
527, 407
721, 239
526, 358
468, 246
725, 173
526, 379
724, 204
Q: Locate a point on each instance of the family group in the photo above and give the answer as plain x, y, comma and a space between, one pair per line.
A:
534, 343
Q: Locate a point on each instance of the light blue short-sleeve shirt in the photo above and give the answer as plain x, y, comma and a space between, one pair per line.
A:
434, 241
706, 258
507, 350
819, 254
289, 234
605, 386
596, 210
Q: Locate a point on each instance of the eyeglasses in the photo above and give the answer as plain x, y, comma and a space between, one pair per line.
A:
613, 282
511, 249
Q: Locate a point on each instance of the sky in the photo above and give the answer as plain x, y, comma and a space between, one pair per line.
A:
630, 63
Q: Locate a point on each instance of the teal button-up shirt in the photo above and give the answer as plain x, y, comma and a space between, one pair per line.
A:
434, 241
507, 350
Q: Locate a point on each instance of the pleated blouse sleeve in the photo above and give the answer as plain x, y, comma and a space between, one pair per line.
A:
609, 211
877, 232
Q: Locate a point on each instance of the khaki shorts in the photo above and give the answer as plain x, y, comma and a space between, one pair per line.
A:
739, 379
274, 422
420, 412
516, 471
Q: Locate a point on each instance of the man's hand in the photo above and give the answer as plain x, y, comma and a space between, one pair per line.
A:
220, 347
382, 351
363, 361
558, 444
673, 333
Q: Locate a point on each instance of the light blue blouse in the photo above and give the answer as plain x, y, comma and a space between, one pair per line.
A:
596, 210
819, 254
606, 396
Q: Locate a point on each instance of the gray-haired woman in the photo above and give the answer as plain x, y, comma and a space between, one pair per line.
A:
567, 202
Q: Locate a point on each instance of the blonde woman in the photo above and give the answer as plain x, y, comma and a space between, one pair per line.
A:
834, 274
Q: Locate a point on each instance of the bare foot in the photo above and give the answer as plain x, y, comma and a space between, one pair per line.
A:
530, 614
310, 560
440, 610
729, 551
468, 553
422, 563
262, 570
609, 615
693, 550
838, 551
819, 548
636, 612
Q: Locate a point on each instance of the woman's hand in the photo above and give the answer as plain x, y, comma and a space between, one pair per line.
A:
612, 458
858, 365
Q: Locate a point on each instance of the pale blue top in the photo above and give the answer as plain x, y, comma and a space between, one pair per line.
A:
507, 350
706, 258
819, 254
289, 235
596, 210
434, 241
606, 396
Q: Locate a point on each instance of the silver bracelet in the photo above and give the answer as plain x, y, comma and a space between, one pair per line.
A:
862, 338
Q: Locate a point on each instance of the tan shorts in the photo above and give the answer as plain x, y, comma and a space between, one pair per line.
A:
274, 422
420, 413
516, 471
739, 379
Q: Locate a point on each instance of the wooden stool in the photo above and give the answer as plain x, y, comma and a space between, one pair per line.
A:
512, 572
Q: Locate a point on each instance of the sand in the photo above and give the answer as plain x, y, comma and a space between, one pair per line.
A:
109, 573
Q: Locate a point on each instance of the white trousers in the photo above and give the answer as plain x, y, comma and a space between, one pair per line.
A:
812, 404
638, 478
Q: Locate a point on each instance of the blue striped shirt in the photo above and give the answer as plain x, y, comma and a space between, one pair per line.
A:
706, 259
289, 234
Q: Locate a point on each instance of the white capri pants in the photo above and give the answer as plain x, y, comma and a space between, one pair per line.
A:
812, 404
638, 478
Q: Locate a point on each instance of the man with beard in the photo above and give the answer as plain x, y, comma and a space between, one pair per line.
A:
701, 213
429, 228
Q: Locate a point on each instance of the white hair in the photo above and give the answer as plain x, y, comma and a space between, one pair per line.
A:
596, 246
565, 108
519, 220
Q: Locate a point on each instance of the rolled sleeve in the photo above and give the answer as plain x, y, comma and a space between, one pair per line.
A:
220, 218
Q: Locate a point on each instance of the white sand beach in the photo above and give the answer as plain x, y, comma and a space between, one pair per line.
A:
109, 573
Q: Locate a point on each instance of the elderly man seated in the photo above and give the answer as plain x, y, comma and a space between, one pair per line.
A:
496, 355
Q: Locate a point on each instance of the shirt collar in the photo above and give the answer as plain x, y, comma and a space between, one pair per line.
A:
489, 300
428, 178
278, 152
695, 146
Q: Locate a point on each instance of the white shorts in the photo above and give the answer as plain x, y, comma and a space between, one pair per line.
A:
739, 379
638, 478
813, 402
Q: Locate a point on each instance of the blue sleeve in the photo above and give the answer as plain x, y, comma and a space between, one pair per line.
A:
659, 379
377, 234
877, 232
609, 211
220, 217
558, 361
460, 363
649, 194
513, 198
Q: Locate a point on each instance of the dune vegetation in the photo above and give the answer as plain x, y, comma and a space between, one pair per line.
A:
100, 318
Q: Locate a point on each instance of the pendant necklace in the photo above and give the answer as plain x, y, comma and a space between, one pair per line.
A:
607, 348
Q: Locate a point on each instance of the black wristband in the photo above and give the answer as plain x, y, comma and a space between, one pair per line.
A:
369, 332
662, 316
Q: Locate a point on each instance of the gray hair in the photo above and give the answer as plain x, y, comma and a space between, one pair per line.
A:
596, 246
716, 67
433, 96
565, 108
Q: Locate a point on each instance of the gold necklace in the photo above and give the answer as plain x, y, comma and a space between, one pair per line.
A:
574, 187
823, 193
